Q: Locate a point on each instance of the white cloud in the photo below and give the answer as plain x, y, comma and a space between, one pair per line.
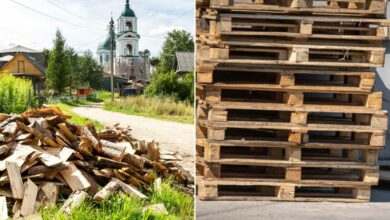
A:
155, 17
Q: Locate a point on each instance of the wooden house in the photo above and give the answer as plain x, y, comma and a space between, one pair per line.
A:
24, 63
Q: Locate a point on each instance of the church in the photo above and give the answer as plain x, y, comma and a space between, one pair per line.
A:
129, 63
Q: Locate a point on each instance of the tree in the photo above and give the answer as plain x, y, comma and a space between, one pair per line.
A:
89, 72
154, 61
58, 69
176, 41
74, 68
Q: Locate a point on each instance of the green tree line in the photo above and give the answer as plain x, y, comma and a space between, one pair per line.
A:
67, 69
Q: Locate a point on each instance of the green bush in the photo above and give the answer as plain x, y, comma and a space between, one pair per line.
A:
14, 94
172, 85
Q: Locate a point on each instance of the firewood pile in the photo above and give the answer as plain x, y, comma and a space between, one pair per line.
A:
43, 158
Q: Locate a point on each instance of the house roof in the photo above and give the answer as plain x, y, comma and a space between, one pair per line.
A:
29, 58
185, 61
19, 49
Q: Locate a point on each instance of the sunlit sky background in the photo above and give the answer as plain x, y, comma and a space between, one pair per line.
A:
87, 22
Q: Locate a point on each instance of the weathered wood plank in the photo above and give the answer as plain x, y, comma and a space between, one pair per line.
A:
29, 199
75, 179
3, 208
13, 170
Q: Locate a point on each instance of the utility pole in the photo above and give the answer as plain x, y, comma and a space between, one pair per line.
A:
112, 58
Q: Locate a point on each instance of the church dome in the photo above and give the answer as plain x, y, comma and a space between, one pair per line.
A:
105, 45
128, 12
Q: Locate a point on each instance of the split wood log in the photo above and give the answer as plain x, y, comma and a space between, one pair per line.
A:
135, 160
112, 150
85, 147
129, 190
94, 185
108, 163
65, 154
74, 201
4, 149
67, 132
29, 199
3, 208
94, 141
50, 191
74, 178
110, 189
19, 156
15, 178
42, 169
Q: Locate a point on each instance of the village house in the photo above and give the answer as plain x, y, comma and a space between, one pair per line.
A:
24, 62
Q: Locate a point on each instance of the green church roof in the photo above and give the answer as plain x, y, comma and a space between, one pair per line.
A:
105, 45
128, 12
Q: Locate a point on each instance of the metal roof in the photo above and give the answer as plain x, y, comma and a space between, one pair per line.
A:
19, 49
185, 61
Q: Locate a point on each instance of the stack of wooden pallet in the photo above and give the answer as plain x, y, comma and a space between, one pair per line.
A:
285, 101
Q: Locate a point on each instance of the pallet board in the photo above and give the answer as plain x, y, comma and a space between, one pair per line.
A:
342, 7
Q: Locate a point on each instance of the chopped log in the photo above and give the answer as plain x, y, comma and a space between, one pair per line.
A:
16, 181
24, 136
48, 159
85, 147
95, 142
65, 154
129, 190
113, 150
3, 208
67, 132
74, 178
74, 201
10, 128
94, 185
19, 156
108, 163
4, 117
41, 169
111, 188
50, 191
4, 149
106, 173
29, 199
134, 160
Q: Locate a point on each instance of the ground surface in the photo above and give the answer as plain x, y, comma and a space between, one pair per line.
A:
378, 209
172, 136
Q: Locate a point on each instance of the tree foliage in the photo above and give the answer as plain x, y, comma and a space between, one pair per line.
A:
176, 41
173, 85
89, 71
58, 69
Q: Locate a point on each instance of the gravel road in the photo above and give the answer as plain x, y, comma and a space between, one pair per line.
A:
172, 136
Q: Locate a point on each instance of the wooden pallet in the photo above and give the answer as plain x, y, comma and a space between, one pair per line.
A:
299, 79
375, 8
288, 136
259, 99
298, 27
272, 190
284, 52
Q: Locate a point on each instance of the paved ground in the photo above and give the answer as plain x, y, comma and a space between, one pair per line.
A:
378, 209
171, 136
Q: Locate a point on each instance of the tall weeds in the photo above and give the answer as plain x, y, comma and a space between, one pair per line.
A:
14, 94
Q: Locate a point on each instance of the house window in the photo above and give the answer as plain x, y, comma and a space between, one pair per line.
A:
21, 68
101, 59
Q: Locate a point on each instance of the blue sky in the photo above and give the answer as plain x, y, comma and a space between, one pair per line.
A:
22, 26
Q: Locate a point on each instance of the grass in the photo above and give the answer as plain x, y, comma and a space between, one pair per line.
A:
155, 107
179, 206
76, 119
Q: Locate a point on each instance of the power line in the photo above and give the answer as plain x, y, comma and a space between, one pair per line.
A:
179, 16
72, 13
52, 17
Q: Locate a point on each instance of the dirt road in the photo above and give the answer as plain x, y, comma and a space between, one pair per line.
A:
171, 136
